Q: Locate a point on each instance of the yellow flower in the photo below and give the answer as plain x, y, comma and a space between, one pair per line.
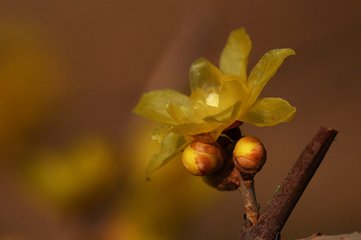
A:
219, 97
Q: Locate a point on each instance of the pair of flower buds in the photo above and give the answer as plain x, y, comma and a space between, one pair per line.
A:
205, 158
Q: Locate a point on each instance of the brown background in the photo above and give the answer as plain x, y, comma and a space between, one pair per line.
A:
116, 50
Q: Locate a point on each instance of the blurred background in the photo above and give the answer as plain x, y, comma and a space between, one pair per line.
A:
72, 155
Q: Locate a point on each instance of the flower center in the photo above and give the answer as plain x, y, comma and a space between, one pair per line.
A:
213, 99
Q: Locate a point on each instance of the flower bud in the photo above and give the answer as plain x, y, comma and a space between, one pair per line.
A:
202, 158
249, 155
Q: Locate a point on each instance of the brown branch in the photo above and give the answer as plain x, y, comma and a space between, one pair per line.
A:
280, 207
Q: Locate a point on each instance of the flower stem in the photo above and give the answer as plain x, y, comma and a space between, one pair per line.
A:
251, 206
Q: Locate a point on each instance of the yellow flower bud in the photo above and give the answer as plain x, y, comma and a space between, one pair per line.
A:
249, 155
202, 158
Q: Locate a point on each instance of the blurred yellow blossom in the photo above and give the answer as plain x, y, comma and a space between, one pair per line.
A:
219, 97
81, 172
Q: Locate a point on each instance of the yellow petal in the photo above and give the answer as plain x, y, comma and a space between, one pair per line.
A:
269, 112
159, 133
190, 129
234, 57
153, 105
171, 145
232, 92
204, 75
265, 69
180, 113
211, 104
204, 104
227, 116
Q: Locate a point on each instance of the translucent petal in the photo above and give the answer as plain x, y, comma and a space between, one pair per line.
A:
171, 145
190, 129
204, 103
234, 57
215, 104
153, 105
204, 75
265, 69
269, 112
231, 92
159, 133
227, 116
180, 113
